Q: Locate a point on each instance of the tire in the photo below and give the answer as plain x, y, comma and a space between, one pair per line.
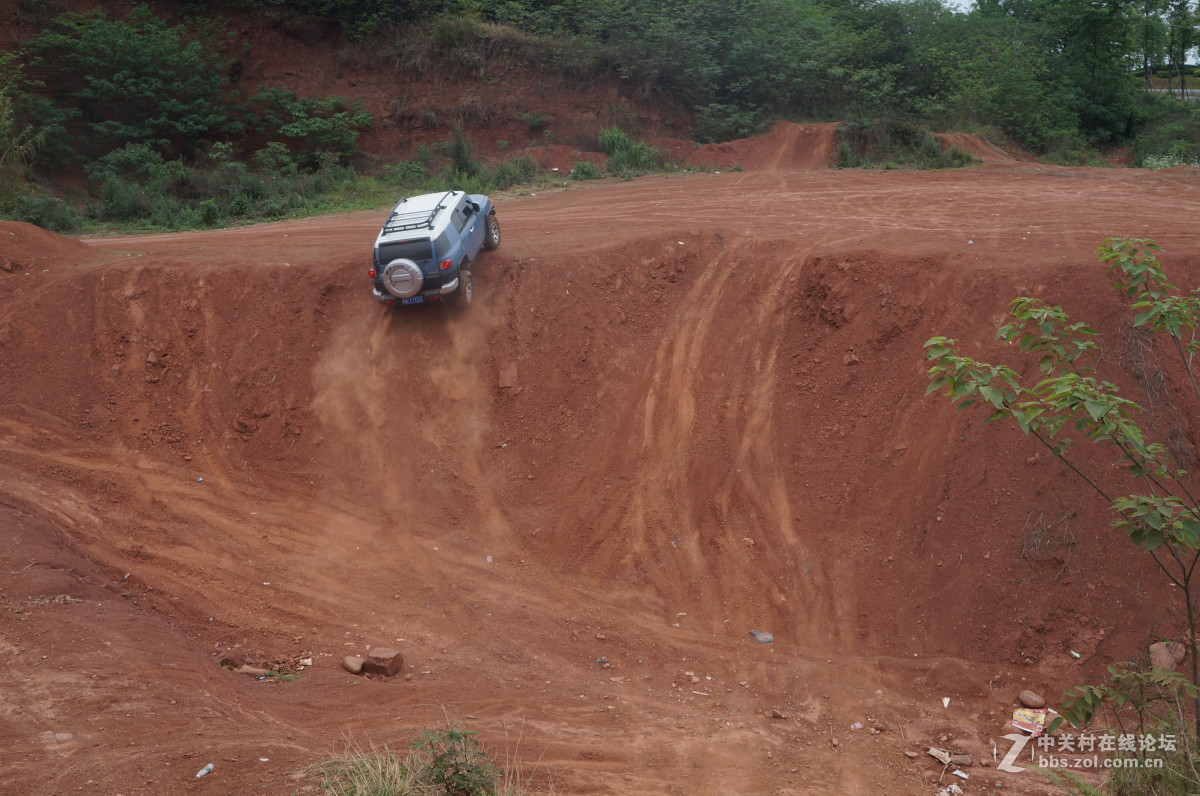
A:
466, 286
403, 278
491, 239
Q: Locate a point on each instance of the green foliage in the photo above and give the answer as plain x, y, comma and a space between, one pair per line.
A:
585, 170
315, 130
1171, 137
722, 122
457, 762
627, 157
100, 83
446, 761
893, 144
19, 142
47, 212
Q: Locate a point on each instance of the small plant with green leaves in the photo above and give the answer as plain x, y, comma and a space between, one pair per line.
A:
1161, 515
586, 170
457, 762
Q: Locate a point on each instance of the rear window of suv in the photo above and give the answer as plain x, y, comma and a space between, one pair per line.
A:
405, 249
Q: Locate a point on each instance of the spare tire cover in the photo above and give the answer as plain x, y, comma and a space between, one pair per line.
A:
403, 278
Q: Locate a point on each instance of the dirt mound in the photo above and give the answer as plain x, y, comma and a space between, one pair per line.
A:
787, 147
977, 147
681, 409
25, 247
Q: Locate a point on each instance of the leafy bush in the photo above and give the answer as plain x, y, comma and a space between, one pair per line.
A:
458, 763
586, 170
519, 170
101, 83
893, 144
1172, 139
45, 211
627, 157
717, 122
316, 130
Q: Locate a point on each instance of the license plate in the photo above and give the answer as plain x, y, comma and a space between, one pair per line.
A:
413, 300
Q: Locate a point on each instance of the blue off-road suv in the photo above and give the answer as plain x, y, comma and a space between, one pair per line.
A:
428, 245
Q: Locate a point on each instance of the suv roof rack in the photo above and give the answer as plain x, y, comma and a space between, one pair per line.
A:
418, 219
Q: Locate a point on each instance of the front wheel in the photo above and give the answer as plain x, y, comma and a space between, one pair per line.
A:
492, 239
466, 287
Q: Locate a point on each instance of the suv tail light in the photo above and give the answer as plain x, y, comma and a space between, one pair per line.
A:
371, 273
444, 265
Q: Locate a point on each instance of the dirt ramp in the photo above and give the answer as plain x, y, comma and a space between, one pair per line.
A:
787, 147
977, 147
27, 248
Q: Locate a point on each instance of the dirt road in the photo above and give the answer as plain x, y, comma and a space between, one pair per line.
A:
682, 408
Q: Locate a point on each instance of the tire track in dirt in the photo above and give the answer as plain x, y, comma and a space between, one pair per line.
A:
704, 506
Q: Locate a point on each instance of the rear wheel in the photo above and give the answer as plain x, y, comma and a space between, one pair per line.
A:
492, 239
466, 286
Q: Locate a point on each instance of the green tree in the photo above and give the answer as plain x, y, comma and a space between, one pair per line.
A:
19, 142
1161, 513
315, 129
102, 83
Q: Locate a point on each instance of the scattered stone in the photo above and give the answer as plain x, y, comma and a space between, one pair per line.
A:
940, 755
1167, 654
253, 671
962, 760
850, 359
834, 741
1031, 699
383, 660
232, 658
508, 376
911, 755
779, 714
983, 761
353, 664
306, 662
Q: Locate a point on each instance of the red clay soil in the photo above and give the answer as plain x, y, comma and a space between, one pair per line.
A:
681, 408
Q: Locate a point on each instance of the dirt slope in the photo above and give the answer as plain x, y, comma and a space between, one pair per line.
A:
682, 408
787, 147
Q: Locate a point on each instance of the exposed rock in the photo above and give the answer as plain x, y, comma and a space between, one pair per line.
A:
353, 664
1032, 700
383, 660
1167, 654
233, 659
962, 760
508, 376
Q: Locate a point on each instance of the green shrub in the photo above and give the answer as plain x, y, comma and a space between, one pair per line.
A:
125, 201
627, 157
405, 173
46, 212
890, 143
519, 170
613, 140
103, 83
586, 170
458, 763
314, 129
719, 122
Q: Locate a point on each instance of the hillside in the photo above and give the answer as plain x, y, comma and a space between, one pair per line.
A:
682, 408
